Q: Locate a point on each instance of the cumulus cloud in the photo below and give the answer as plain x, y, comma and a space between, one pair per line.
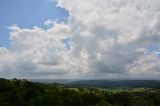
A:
108, 38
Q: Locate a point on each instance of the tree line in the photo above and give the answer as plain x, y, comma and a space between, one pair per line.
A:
17, 92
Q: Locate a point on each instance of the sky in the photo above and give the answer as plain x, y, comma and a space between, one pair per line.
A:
27, 13
80, 39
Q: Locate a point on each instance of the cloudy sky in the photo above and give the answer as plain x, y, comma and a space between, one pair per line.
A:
84, 39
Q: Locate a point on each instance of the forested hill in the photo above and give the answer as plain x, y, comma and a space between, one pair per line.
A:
116, 83
25, 93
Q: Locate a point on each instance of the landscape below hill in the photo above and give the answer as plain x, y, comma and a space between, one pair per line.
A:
18, 92
101, 83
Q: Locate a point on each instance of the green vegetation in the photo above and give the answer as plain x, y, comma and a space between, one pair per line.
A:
25, 93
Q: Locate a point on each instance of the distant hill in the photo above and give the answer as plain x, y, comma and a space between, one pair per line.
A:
51, 81
101, 83
116, 83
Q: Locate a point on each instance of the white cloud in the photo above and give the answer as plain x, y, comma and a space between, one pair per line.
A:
108, 38
113, 32
146, 64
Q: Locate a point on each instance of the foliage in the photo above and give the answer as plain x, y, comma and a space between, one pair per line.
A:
24, 93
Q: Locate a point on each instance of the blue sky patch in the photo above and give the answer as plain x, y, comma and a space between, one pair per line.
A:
27, 13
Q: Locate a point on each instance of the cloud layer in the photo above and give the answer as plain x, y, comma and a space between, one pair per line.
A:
102, 39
